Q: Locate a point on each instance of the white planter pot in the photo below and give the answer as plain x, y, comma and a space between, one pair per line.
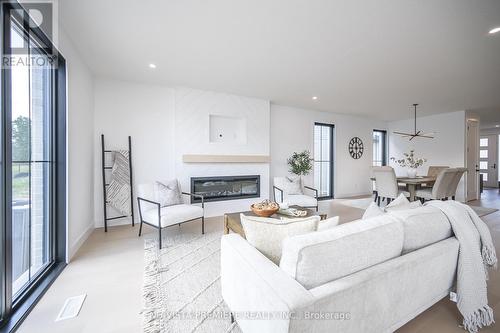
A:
412, 172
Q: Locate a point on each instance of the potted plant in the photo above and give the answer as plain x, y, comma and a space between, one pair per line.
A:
300, 163
410, 162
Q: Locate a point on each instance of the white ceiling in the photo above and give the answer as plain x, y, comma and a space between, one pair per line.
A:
489, 117
366, 57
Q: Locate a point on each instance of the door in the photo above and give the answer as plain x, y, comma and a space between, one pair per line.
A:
488, 160
472, 160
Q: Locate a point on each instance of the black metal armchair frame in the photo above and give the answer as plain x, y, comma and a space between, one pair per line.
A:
306, 187
159, 227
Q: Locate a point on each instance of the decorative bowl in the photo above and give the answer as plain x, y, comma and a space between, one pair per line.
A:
266, 212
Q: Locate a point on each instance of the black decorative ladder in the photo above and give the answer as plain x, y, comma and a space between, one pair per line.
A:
105, 184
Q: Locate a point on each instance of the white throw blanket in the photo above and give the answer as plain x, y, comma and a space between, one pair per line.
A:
118, 192
476, 255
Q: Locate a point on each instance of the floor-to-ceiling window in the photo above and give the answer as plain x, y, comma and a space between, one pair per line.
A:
33, 164
379, 148
323, 159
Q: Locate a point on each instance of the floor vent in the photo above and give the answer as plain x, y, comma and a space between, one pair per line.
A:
71, 307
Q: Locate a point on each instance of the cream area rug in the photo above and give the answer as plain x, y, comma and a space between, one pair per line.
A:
363, 203
182, 285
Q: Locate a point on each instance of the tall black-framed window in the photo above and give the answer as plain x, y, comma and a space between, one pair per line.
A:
33, 164
379, 148
324, 159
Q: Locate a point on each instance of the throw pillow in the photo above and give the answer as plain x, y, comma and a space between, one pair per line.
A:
168, 193
409, 205
401, 203
372, 211
328, 223
292, 185
400, 200
267, 234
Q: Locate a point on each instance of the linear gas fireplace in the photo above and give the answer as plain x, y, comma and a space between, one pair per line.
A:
225, 188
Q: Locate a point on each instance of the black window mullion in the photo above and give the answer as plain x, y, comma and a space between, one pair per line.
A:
26, 27
6, 271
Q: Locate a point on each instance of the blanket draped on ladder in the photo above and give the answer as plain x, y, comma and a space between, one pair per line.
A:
476, 255
118, 192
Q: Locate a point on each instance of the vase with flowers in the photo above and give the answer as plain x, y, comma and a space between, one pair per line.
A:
410, 162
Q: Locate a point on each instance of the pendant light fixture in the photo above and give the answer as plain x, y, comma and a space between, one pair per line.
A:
415, 134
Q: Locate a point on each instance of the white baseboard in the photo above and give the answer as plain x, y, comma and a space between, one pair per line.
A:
79, 242
350, 195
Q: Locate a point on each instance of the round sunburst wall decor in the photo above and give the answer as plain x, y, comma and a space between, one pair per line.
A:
356, 148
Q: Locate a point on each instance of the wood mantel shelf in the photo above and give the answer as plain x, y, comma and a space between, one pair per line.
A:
226, 158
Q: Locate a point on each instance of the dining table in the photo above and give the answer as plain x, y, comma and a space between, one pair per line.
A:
412, 184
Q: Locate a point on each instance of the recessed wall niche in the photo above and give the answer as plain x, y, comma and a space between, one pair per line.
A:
227, 129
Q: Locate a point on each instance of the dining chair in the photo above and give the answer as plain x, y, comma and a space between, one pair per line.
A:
386, 184
441, 188
374, 184
452, 191
433, 172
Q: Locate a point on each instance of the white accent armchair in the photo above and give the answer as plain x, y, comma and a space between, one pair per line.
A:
282, 193
151, 213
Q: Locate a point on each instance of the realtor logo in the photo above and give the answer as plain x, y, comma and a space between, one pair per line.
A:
37, 18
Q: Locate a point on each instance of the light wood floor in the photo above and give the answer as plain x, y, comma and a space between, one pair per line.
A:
109, 267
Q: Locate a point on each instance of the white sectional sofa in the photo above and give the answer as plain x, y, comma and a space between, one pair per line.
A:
370, 275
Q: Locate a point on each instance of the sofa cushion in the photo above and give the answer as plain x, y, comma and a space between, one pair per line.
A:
173, 214
301, 200
316, 258
267, 234
423, 226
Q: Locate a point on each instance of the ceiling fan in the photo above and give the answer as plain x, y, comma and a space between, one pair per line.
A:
415, 134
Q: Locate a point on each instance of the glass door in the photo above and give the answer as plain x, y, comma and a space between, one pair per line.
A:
488, 160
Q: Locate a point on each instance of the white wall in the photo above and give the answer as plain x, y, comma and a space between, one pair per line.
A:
447, 147
166, 123
146, 113
292, 130
80, 124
